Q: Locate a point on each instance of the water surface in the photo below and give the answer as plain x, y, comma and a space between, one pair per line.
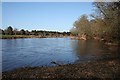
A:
31, 52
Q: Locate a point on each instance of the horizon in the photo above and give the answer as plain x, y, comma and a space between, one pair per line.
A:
48, 16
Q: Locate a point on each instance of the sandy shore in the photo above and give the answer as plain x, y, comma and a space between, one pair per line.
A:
97, 69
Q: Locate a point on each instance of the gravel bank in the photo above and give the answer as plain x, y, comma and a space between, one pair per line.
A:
97, 69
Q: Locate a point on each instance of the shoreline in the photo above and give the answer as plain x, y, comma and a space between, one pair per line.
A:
95, 69
71, 37
98, 39
27, 36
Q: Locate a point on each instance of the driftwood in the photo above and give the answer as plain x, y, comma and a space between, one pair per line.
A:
53, 62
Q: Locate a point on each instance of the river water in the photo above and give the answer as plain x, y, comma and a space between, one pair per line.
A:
33, 52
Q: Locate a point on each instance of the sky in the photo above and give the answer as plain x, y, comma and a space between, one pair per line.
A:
51, 16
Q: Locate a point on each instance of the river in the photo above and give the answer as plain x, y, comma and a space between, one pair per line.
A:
33, 52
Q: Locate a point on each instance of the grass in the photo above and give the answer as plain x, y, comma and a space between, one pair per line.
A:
18, 36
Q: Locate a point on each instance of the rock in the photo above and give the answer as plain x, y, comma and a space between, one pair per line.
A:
53, 62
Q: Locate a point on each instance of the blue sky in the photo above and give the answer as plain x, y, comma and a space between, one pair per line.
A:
52, 16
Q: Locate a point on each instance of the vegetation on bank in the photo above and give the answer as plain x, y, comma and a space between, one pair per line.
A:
11, 33
18, 36
104, 25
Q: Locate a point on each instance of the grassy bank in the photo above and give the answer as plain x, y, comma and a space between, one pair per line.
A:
22, 36
97, 69
16, 36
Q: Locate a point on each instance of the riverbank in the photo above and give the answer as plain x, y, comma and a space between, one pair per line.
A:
97, 69
18, 36
115, 43
25, 36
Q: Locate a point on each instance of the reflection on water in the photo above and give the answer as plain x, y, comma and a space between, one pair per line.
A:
88, 47
94, 50
32, 52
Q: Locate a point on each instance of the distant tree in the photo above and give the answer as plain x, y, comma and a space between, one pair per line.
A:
34, 32
27, 32
16, 32
9, 30
22, 32
2, 32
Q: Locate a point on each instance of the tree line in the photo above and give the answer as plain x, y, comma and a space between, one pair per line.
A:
11, 31
105, 22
